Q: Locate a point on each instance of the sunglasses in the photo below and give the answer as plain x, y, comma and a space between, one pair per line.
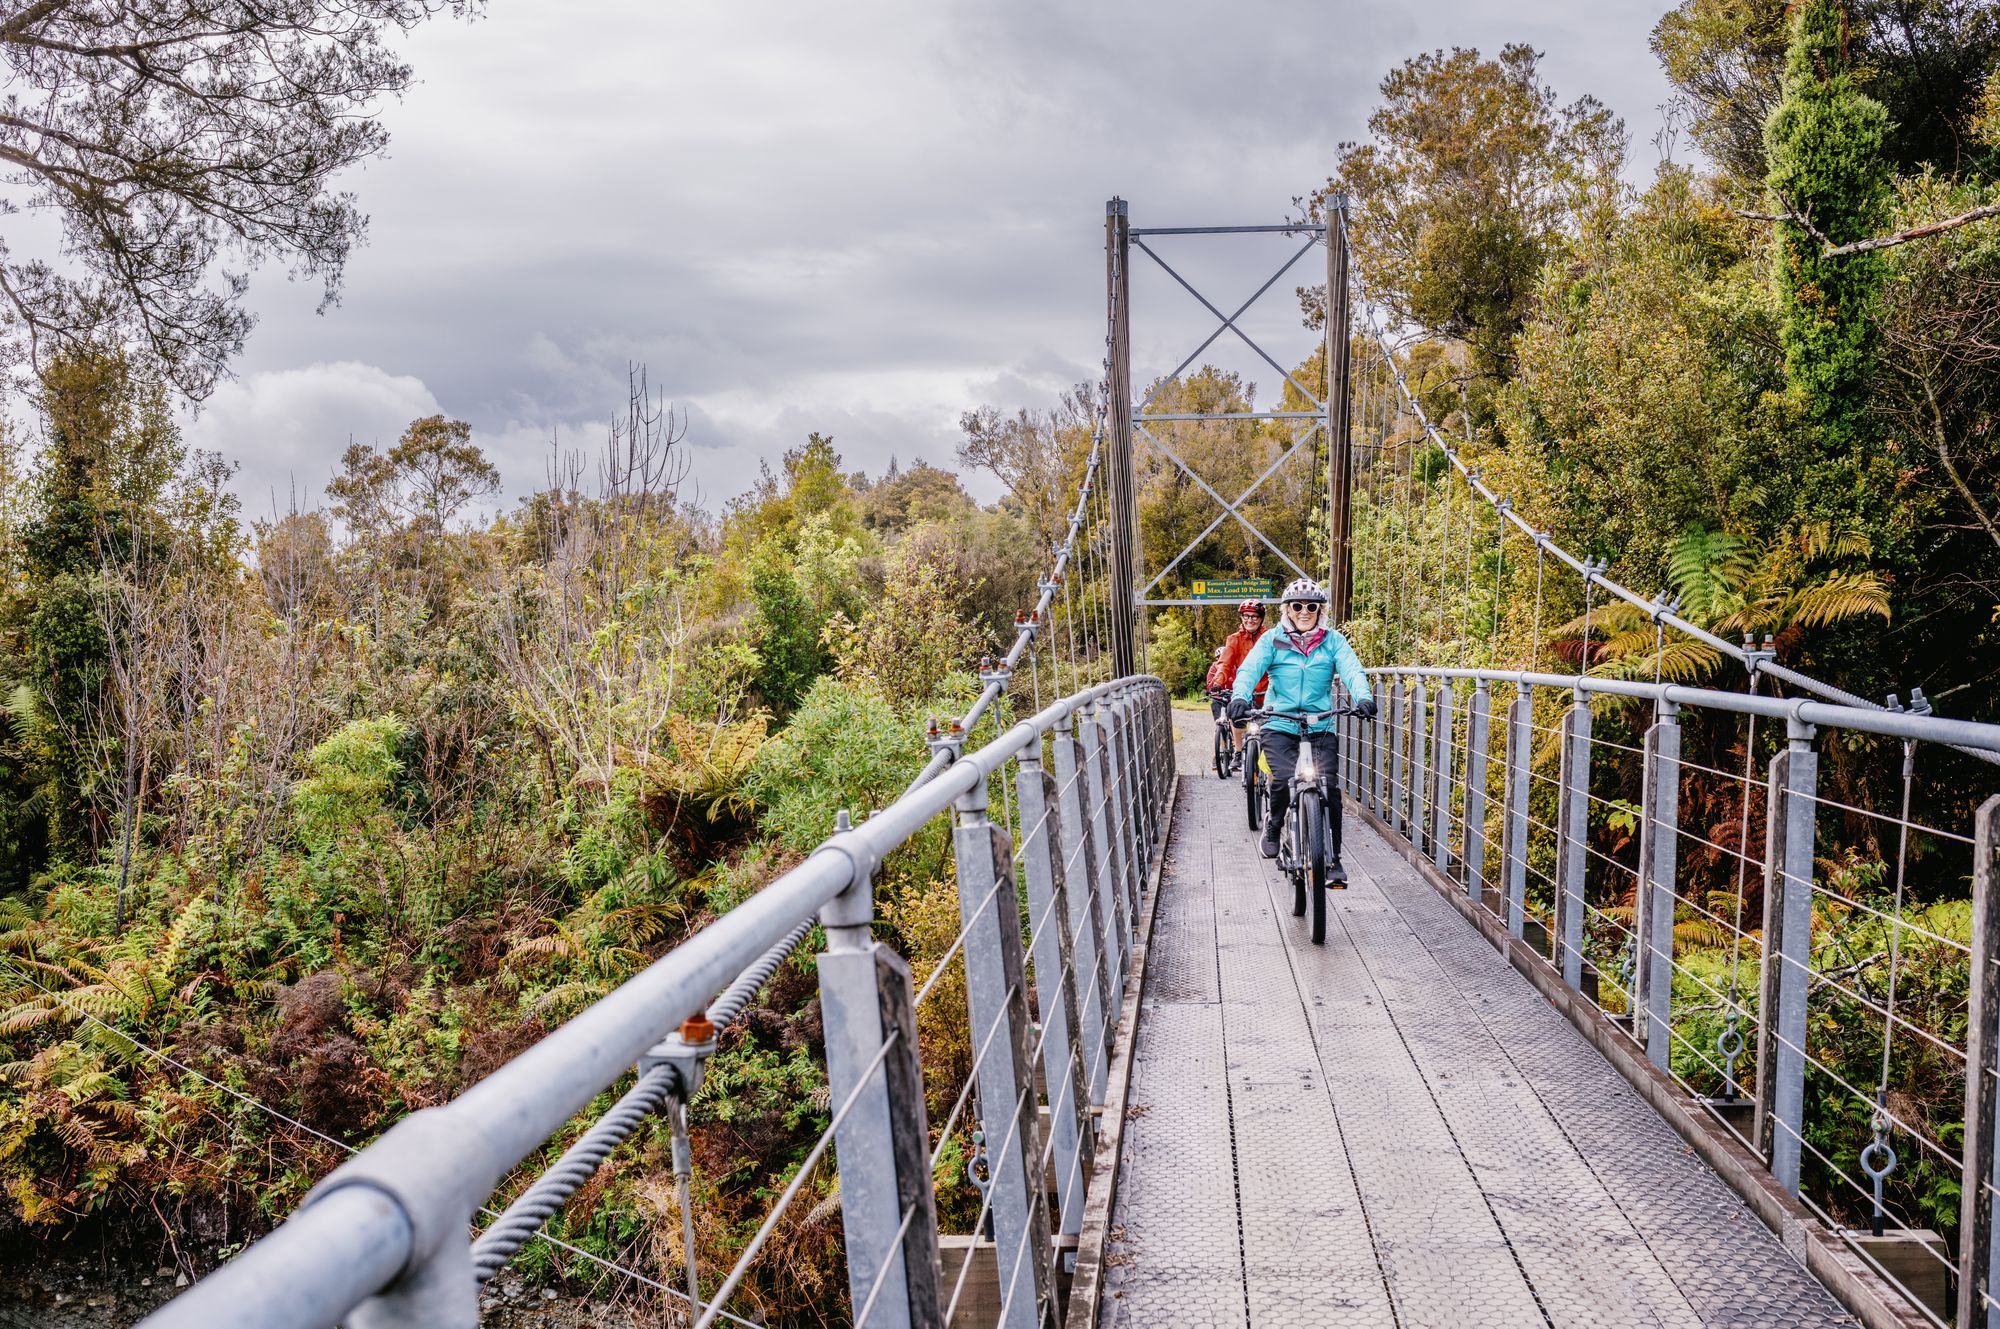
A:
1303, 607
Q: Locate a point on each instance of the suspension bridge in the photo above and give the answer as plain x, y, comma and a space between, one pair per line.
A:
1576, 1050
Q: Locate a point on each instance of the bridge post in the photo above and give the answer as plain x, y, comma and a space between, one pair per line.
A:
1339, 436
1443, 755
1124, 814
1653, 914
1787, 969
1479, 716
996, 998
1399, 775
1419, 764
1514, 835
882, 1147
1111, 900
1140, 749
1118, 387
1574, 823
1978, 1234
1055, 985
1360, 730
1090, 918
1378, 755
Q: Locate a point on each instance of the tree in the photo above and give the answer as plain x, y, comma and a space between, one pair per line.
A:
1829, 182
1925, 60
1464, 190
425, 480
1725, 57
808, 483
911, 636
788, 646
1939, 390
1038, 455
924, 492
1648, 398
400, 503
110, 452
168, 134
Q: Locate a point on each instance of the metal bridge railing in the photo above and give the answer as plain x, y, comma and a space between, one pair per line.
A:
1669, 853
1083, 787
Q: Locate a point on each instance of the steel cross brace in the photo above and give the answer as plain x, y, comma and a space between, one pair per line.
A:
1229, 509
1228, 324
1173, 456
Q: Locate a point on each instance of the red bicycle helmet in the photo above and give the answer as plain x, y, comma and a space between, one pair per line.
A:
1251, 607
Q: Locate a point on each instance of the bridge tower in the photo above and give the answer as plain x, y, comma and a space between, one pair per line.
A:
1138, 429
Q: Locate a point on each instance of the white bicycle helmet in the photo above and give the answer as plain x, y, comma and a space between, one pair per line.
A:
1304, 590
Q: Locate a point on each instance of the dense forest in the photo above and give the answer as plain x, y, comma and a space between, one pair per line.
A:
311, 819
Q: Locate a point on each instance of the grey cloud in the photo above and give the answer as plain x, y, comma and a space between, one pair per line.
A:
863, 219
287, 428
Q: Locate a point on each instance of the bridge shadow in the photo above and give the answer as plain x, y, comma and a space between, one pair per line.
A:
1394, 1128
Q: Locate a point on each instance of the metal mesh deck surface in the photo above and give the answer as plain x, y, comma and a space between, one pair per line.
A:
1394, 1128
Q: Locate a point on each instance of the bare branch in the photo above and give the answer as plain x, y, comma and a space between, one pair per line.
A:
1832, 250
1915, 232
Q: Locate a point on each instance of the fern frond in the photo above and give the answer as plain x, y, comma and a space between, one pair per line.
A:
1705, 933
1843, 596
565, 996
183, 927
89, 1085
1680, 660
104, 1000
32, 1014
1708, 570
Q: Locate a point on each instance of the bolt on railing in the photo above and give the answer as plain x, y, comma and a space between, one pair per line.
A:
1805, 999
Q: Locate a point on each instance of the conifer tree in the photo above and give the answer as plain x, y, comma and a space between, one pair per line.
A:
1827, 178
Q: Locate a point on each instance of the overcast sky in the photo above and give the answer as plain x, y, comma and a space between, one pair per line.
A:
862, 218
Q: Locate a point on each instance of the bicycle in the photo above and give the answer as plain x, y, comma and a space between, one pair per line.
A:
1309, 844
1256, 792
1225, 743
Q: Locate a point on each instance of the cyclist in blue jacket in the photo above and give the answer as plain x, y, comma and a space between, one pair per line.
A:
1302, 656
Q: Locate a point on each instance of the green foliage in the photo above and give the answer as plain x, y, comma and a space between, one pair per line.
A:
1176, 657
1466, 188
349, 775
1827, 175
1647, 399
790, 653
1724, 585
911, 637
1926, 61
846, 747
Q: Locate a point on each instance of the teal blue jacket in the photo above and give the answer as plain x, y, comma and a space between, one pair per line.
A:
1300, 682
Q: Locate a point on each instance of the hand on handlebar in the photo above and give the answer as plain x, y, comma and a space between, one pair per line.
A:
1237, 708
1366, 708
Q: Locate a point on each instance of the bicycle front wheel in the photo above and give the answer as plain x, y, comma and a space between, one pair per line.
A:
1253, 782
1312, 857
1222, 752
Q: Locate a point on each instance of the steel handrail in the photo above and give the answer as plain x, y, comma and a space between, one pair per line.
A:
1891, 724
407, 1200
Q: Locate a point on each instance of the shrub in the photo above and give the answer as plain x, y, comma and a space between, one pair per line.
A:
351, 773
845, 748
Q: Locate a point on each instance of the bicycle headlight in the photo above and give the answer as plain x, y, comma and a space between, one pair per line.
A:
1306, 767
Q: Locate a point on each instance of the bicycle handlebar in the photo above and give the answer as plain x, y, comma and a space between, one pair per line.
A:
1304, 717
